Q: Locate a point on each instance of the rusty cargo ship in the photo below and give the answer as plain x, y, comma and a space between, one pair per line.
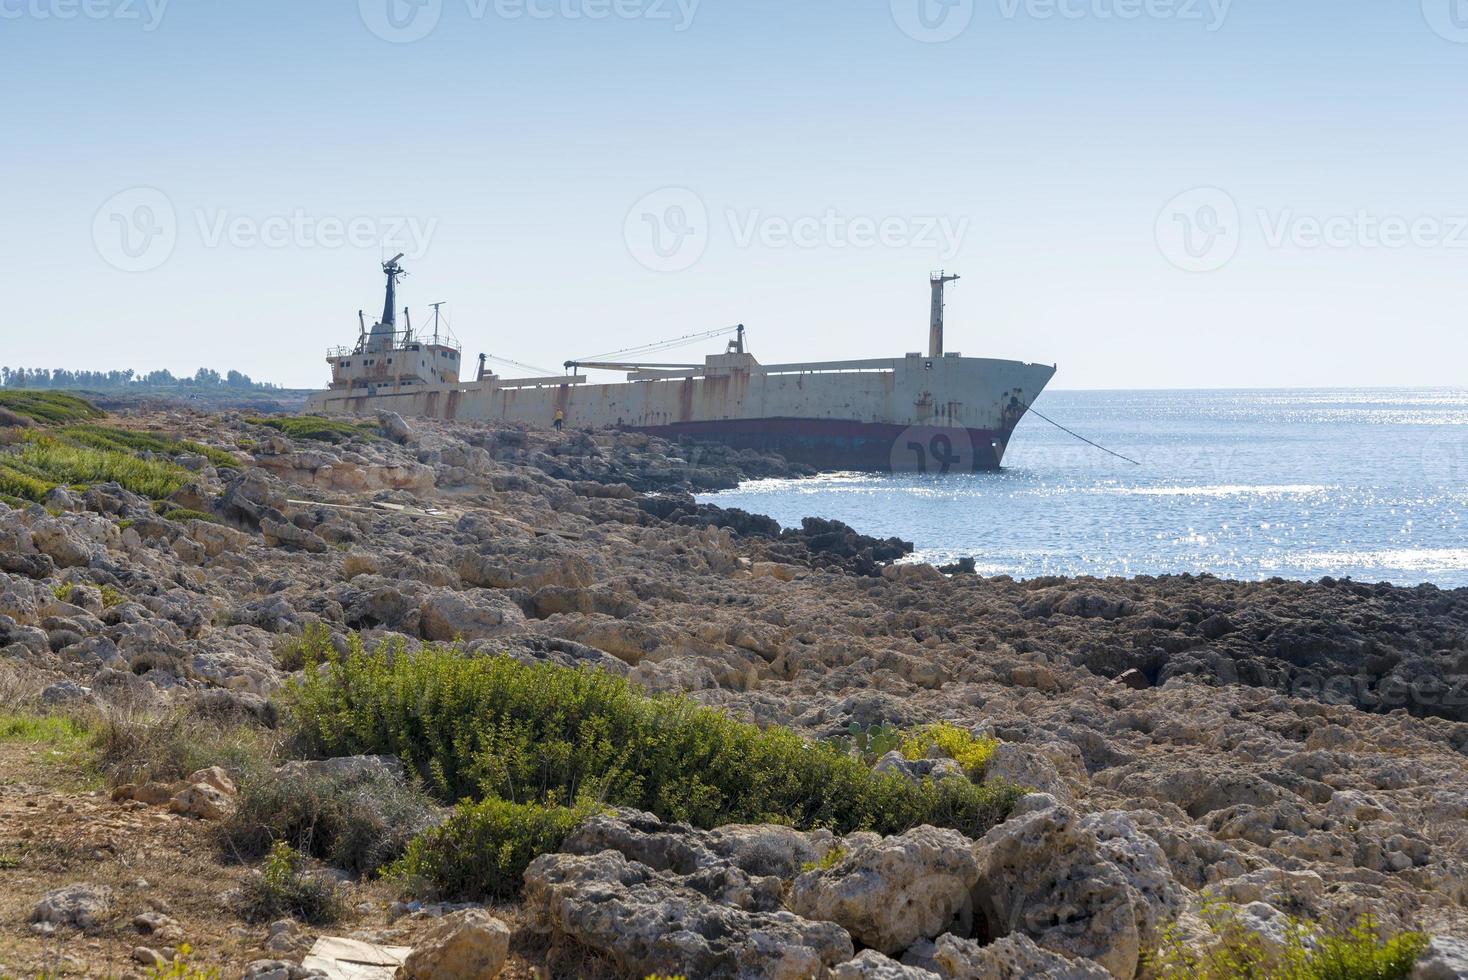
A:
933, 412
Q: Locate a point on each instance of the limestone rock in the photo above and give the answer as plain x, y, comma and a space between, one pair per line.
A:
283, 534
158, 927
466, 945
1446, 958
1045, 876
476, 615
84, 906
203, 801
650, 922
216, 777
872, 965
1027, 767
1011, 958
890, 893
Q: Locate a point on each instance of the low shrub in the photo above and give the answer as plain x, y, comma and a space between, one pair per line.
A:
181, 514
285, 887
318, 427
111, 596
827, 862
49, 407
20, 488
482, 850
43, 462
358, 822
134, 442
1358, 953
970, 751
137, 747
494, 727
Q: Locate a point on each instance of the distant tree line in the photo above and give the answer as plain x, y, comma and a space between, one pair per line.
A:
128, 380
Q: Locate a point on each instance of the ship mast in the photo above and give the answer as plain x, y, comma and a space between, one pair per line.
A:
935, 328
394, 272
384, 333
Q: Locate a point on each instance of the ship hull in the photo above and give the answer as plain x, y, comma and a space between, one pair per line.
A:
835, 444
910, 414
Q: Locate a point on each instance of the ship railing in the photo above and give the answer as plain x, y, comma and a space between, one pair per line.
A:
397, 341
833, 367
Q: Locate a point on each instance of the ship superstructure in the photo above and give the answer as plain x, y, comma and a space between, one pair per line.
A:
939, 412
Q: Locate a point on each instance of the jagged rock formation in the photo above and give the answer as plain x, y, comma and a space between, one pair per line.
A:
1278, 746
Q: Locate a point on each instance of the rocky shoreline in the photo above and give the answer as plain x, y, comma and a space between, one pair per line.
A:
1284, 748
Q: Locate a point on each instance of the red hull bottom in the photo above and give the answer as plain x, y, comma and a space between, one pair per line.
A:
829, 444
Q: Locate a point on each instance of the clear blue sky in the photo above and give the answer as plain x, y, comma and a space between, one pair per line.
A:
1050, 137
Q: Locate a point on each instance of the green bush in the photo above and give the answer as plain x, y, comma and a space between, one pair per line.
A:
970, 751
42, 462
1358, 953
482, 850
359, 822
21, 488
49, 407
284, 887
317, 427
476, 727
132, 441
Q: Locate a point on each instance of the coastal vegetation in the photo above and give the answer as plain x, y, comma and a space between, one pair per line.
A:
66, 448
496, 728
1307, 952
317, 427
48, 406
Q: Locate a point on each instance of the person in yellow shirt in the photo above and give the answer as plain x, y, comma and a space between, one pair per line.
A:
560, 419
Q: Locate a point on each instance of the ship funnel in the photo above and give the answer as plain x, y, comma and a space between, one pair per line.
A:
935, 325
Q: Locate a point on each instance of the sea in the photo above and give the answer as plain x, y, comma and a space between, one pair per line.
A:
1366, 484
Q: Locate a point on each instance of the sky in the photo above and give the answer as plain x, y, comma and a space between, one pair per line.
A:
1149, 193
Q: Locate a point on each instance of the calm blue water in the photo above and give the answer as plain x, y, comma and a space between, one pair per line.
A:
1361, 483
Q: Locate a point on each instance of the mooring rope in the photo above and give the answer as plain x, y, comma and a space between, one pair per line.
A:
1082, 438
